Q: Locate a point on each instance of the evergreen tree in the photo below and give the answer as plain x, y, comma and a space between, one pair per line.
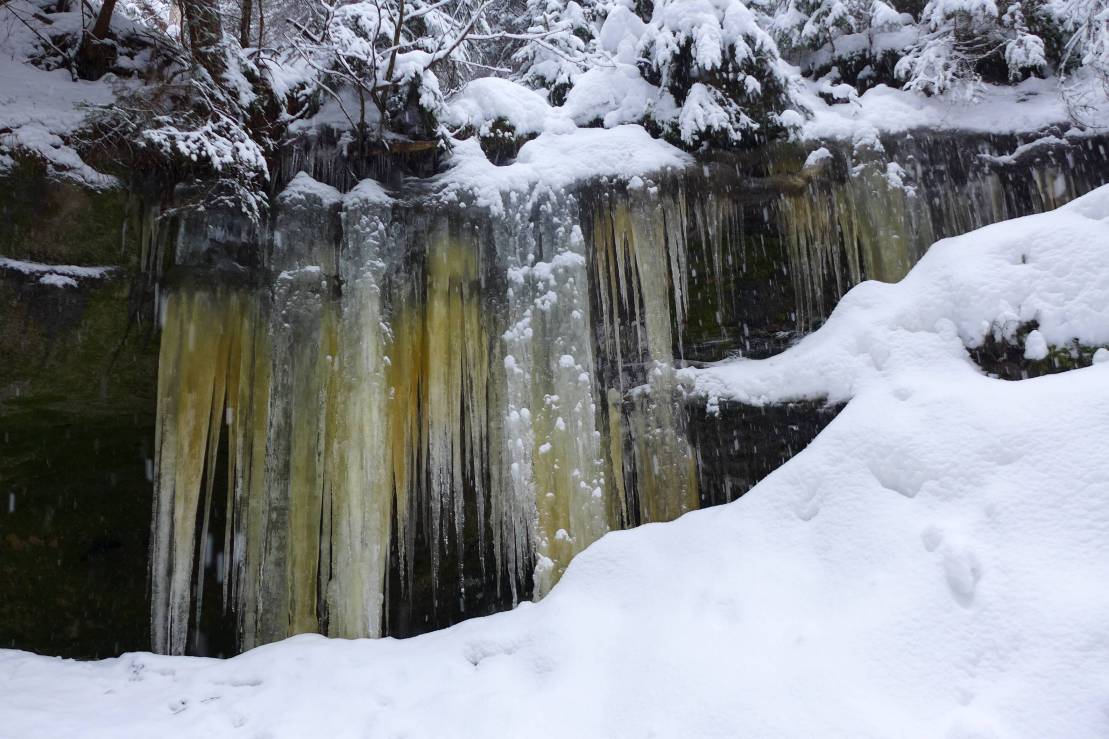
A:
721, 67
561, 44
959, 39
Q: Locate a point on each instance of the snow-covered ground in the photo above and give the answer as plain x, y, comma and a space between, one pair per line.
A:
1028, 106
41, 110
934, 564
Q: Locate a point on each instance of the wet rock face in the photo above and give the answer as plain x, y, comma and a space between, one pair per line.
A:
60, 222
741, 444
77, 379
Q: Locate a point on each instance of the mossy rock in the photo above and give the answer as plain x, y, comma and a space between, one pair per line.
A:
77, 388
57, 221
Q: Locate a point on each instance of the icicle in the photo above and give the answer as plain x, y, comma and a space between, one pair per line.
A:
553, 445
661, 468
197, 342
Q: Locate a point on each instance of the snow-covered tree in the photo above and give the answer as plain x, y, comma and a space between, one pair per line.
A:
560, 46
960, 38
850, 38
380, 63
720, 66
1087, 24
697, 71
810, 24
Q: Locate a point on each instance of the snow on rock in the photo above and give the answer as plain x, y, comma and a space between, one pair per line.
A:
1051, 268
554, 161
932, 565
56, 280
817, 157
367, 192
303, 189
39, 109
1035, 346
486, 100
58, 275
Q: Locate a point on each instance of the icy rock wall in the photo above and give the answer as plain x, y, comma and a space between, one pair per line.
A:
381, 416
776, 238
405, 408
290, 449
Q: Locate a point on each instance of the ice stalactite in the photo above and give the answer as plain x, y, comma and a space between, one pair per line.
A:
870, 211
442, 387
552, 442
638, 248
206, 334
422, 394
294, 385
839, 233
357, 515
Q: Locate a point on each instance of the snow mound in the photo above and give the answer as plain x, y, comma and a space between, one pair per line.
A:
486, 100
554, 161
1051, 268
934, 564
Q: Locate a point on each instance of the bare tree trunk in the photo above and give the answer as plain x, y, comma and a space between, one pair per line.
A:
261, 24
104, 19
96, 55
244, 22
205, 35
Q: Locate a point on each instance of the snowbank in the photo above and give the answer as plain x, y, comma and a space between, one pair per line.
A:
934, 564
1052, 268
1032, 105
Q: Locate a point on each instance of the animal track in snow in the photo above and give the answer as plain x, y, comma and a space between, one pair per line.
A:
963, 571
